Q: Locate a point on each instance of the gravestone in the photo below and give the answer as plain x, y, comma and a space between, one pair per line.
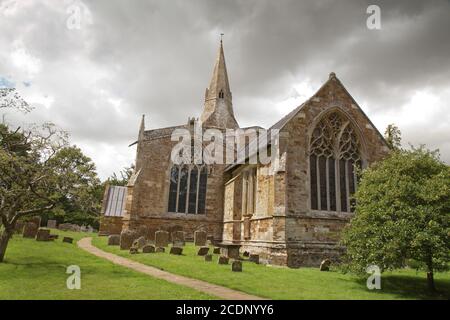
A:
203, 251
216, 250
176, 250
208, 257
161, 238
52, 237
42, 235
68, 240
325, 265
236, 266
222, 260
114, 240
139, 242
30, 230
126, 239
51, 224
148, 249
200, 238
69, 227
134, 250
178, 238
160, 250
254, 258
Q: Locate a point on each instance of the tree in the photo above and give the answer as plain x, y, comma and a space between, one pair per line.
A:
38, 171
83, 204
393, 137
125, 175
10, 98
402, 212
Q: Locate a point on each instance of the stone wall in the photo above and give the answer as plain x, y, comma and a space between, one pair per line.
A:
314, 235
110, 225
284, 230
148, 199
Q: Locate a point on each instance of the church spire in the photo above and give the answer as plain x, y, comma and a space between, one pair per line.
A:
218, 109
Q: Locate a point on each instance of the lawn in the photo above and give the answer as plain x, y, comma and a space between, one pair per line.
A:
37, 270
284, 283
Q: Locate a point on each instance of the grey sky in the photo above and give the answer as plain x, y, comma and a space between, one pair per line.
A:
155, 57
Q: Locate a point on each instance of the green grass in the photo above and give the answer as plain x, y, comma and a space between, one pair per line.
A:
37, 270
285, 283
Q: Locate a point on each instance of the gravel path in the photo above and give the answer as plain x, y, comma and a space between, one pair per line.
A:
215, 290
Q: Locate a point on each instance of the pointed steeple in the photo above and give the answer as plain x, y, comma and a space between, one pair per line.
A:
218, 109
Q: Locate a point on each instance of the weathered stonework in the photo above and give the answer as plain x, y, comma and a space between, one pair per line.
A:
280, 227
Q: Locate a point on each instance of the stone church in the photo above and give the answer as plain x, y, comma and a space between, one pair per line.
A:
290, 213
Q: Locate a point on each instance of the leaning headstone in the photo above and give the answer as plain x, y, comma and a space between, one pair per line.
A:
325, 265
178, 238
114, 240
216, 250
253, 258
160, 250
139, 242
200, 238
68, 240
30, 230
42, 235
148, 249
176, 250
236, 266
51, 224
222, 260
208, 257
161, 238
126, 239
203, 251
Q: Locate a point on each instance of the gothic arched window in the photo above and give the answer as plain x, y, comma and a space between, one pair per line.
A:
334, 153
187, 189
221, 95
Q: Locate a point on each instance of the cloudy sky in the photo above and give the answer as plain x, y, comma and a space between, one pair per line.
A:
94, 67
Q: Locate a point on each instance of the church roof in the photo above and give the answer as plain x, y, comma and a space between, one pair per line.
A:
115, 201
252, 146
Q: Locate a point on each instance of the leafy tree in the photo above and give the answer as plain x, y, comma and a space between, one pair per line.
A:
82, 206
41, 174
393, 137
402, 212
125, 175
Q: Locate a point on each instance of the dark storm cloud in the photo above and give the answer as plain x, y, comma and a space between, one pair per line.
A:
156, 57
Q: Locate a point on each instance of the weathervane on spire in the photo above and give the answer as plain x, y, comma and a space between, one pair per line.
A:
221, 37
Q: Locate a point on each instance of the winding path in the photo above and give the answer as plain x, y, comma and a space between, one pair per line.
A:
209, 288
